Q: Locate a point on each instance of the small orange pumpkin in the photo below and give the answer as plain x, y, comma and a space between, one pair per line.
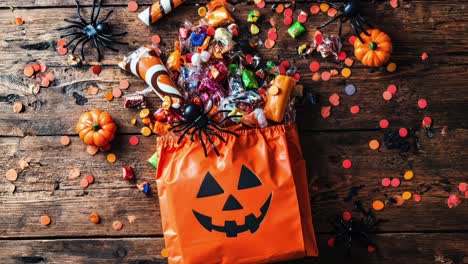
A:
376, 49
96, 128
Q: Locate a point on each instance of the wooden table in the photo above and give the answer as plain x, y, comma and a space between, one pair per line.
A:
414, 233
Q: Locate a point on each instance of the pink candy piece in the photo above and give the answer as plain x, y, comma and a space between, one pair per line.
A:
386, 182
395, 182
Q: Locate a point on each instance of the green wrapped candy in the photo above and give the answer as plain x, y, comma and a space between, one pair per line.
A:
233, 67
248, 79
253, 17
296, 29
270, 65
154, 160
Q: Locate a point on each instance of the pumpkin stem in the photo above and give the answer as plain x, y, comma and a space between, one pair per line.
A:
373, 45
96, 127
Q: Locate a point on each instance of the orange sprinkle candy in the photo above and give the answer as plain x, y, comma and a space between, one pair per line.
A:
378, 205
374, 144
108, 96
19, 21
111, 157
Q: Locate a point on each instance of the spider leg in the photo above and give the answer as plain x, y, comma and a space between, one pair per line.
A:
202, 142
211, 142
365, 21
82, 49
92, 12
211, 132
185, 132
105, 45
78, 43
356, 31
79, 23
72, 26
94, 19
70, 34
340, 26
78, 10
73, 39
356, 21
107, 16
192, 134
330, 21
98, 47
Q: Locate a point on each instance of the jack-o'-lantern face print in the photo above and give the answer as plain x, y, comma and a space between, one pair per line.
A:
210, 188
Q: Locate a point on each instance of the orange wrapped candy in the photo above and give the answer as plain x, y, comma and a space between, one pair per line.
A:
157, 10
278, 96
218, 17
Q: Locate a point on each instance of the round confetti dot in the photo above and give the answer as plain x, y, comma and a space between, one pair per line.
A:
392, 89
45, 220
331, 242
132, 6
377, 205
384, 123
89, 178
96, 69
332, 12
155, 39
84, 183
463, 187
422, 103
11, 175
386, 182
279, 8
354, 109
342, 56
347, 164
403, 132
387, 96
399, 201
349, 62
350, 89
395, 182
62, 51
124, 84
288, 12
408, 175
424, 56
325, 111
19, 21
374, 144
370, 248
391, 67
417, 197
326, 76
314, 9
164, 253
297, 76
111, 157
109, 96
273, 35
334, 99
146, 131
427, 121
269, 43
65, 140
261, 4
406, 195
466, 194
314, 66
324, 7
347, 216
346, 72
134, 140
287, 21
144, 112
351, 39
302, 18
117, 225
61, 42
316, 77
116, 92
92, 150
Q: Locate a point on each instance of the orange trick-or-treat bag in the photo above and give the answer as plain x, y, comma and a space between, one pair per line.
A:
248, 205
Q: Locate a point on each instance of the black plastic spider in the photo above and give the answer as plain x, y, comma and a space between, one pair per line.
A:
97, 31
356, 229
349, 11
195, 119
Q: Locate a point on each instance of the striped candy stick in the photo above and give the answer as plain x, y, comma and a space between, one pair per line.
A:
157, 10
146, 64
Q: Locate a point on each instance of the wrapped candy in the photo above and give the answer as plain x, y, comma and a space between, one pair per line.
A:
253, 16
248, 79
214, 4
218, 17
255, 119
174, 60
296, 30
218, 72
157, 10
278, 97
145, 63
198, 35
331, 45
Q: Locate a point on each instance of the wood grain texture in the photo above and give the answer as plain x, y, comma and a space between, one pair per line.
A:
417, 233
419, 248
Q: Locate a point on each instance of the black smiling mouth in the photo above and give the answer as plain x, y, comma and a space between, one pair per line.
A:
230, 228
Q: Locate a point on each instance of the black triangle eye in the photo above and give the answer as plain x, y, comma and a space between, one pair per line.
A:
209, 187
248, 179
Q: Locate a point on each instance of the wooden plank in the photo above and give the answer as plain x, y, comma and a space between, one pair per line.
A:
414, 248
36, 38
44, 188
